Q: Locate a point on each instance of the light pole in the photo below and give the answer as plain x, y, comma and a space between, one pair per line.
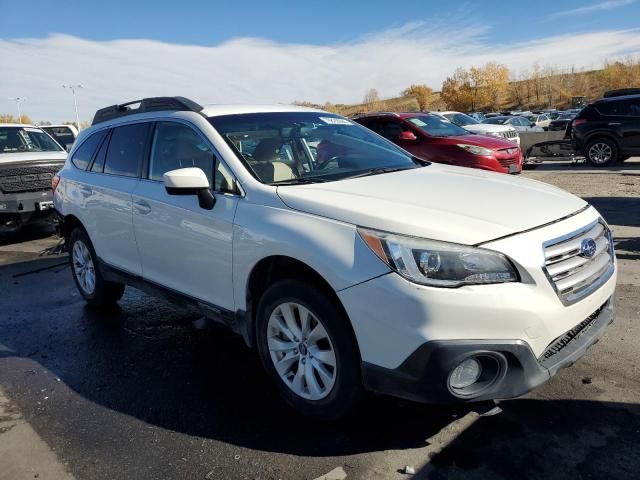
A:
18, 100
75, 100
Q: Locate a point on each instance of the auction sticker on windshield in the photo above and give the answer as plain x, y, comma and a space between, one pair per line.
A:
336, 121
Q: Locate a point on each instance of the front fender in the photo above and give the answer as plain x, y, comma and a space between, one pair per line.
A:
331, 248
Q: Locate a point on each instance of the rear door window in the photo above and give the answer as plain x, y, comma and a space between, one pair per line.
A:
126, 150
83, 155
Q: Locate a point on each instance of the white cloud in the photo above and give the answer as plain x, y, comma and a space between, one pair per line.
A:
251, 70
587, 9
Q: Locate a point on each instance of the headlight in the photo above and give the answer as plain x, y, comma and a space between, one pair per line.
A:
475, 149
439, 264
495, 134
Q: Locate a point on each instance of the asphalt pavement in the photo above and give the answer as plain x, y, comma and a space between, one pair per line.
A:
147, 390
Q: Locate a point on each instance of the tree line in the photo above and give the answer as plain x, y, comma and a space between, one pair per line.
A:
493, 87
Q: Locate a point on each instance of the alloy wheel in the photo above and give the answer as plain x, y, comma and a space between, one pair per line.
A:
301, 351
83, 267
600, 153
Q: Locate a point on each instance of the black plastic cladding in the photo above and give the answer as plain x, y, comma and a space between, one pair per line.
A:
153, 104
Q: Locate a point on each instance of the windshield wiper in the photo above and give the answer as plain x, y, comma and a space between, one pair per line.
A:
299, 181
378, 171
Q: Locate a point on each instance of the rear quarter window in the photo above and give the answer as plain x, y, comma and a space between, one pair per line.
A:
613, 108
83, 155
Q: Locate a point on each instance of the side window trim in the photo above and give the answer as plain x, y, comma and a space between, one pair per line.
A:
214, 150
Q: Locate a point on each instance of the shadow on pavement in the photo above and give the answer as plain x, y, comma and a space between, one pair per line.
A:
550, 439
29, 232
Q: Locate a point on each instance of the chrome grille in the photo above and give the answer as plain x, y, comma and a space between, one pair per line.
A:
570, 270
505, 162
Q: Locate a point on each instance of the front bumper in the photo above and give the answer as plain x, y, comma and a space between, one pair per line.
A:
424, 375
20, 208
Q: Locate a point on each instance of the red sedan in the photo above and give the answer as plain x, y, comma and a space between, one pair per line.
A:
437, 140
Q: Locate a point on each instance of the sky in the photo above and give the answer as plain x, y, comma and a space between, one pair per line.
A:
281, 51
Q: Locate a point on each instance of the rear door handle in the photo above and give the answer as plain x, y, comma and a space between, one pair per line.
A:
614, 123
142, 207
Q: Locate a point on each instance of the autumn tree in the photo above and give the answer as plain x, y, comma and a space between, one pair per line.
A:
495, 79
7, 118
456, 91
421, 93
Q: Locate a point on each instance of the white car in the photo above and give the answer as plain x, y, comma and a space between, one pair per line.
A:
474, 126
540, 120
521, 124
348, 266
29, 159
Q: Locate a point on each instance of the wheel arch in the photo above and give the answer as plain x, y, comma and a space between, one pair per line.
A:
274, 268
601, 134
69, 224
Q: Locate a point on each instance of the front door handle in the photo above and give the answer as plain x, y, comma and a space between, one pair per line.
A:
142, 207
614, 123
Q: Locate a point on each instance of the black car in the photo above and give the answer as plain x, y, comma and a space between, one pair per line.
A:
561, 121
608, 130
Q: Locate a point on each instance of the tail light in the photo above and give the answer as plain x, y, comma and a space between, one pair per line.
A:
54, 183
579, 121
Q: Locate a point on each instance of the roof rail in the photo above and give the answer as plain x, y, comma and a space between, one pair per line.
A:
153, 104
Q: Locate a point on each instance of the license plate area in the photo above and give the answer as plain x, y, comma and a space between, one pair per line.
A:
43, 206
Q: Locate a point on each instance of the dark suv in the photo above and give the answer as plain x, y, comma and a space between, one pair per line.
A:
608, 130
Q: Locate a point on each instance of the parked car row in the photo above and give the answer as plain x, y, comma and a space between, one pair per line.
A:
348, 263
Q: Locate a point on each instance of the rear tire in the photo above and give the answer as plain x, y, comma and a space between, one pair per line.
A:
86, 272
307, 347
602, 152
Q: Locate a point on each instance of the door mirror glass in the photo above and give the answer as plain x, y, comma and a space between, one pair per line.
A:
410, 136
190, 181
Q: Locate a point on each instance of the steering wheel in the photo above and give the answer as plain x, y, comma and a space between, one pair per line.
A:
322, 165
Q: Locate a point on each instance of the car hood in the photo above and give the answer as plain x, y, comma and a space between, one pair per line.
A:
22, 157
493, 143
487, 127
439, 202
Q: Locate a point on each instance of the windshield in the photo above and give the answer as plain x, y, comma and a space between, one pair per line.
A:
305, 147
437, 127
26, 139
566, 116
461, 119
496, 120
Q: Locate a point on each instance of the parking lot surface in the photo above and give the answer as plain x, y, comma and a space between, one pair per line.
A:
151, 391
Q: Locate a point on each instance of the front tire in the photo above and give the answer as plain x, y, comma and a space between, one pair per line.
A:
602, 152
84, 266
306, 346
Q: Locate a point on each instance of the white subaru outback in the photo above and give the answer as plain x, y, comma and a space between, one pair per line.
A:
348, 263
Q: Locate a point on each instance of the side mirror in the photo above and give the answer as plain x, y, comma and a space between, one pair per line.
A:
409, 136
190, 181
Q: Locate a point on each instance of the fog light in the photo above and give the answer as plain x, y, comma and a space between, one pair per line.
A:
465, 374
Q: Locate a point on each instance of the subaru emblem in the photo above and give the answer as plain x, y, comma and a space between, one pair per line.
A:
587, 248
